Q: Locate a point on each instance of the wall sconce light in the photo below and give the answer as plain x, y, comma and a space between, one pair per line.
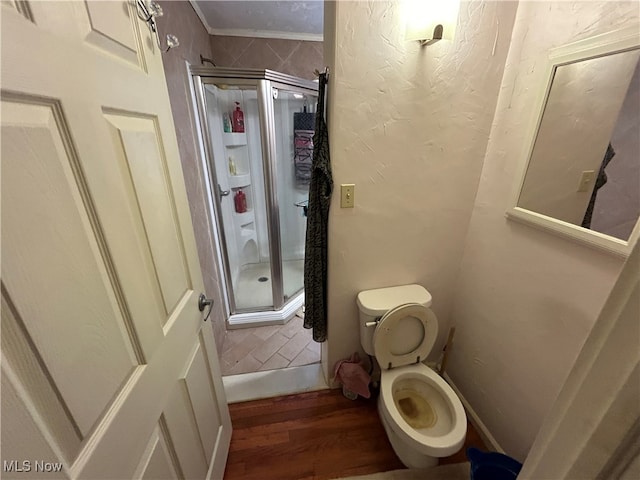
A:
147, 12
431, 20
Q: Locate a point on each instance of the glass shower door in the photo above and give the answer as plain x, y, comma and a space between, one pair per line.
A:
294, 123
260, 240
239, 188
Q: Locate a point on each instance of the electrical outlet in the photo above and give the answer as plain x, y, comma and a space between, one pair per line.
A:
586, 180
347, 193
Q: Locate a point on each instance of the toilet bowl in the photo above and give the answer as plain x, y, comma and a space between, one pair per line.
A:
421, 414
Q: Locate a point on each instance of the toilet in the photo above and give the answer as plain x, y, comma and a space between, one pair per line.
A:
422, 416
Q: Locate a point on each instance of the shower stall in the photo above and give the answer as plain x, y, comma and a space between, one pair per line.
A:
259, 176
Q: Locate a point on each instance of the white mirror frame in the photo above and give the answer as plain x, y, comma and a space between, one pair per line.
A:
605, 44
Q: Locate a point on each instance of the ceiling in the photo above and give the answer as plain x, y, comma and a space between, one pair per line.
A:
269, 19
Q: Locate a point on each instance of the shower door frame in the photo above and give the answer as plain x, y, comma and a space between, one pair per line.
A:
265, 81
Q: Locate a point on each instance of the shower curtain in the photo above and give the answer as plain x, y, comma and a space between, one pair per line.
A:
315, 255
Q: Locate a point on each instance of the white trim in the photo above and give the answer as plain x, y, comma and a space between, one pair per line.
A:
246, 32
273, 383
200, 14
261, 319
607, 43
209, 194
596, 46
488, 439
324, 362
625, 462
573, 232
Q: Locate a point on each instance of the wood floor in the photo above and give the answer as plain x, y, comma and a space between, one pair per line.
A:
315, 435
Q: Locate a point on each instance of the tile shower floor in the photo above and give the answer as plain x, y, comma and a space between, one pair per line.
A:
268, 348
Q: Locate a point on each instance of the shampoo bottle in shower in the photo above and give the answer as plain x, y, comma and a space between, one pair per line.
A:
226, 122
232, 167
240, 201
238, 119
243, 201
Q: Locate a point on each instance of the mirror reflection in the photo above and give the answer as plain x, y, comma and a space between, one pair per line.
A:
584, 168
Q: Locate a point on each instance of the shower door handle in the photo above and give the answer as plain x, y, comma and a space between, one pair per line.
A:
223, 193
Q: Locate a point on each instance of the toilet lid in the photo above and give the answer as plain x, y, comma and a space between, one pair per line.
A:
405, 335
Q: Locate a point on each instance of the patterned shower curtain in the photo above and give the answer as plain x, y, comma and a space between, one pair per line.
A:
315, 255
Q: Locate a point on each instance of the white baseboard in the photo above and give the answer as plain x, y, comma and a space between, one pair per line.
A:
488, 439
273, 383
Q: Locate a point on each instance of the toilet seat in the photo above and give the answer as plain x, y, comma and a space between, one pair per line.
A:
405, 335
429, 441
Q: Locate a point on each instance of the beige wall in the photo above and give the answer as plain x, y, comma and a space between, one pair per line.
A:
592, 429
181, 20
409, 126
293, 57
525, 299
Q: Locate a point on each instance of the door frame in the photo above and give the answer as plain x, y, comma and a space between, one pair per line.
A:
585, 421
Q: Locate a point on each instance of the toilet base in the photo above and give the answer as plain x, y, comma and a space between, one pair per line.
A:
408, 456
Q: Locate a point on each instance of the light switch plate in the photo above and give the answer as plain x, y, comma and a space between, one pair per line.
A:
347, 192
586, 180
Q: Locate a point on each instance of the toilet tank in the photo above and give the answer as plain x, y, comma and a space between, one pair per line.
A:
373, 304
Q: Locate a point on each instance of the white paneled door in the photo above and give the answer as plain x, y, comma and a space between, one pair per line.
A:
108, 369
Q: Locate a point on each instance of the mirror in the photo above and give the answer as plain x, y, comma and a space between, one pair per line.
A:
581, 176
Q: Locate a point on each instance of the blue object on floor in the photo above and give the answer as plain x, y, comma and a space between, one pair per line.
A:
492, 465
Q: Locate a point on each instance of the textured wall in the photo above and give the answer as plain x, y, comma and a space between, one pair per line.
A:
181, 20
526, 300
294, 57
409, 126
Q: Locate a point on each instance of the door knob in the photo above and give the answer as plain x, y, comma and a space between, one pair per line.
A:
223, 193
204, 302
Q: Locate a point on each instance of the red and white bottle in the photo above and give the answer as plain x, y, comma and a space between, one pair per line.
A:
240, 201
238, 119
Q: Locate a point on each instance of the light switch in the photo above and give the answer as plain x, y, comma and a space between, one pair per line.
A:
586, 180
347, 192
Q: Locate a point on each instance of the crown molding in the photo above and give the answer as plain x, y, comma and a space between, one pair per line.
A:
201, 16
245, 32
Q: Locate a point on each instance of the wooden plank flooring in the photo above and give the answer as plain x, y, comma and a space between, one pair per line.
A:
314, 435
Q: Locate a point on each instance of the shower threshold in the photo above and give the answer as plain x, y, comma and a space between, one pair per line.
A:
273, 383
269, 317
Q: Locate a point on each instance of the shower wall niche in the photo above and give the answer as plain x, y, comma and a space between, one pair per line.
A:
262, 247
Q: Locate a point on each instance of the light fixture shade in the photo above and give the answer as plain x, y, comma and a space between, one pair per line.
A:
431, 19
